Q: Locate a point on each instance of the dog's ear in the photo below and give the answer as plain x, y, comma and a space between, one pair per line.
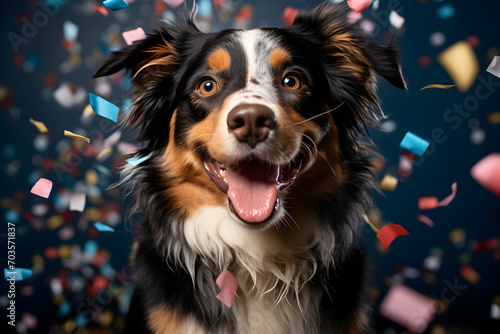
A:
348, 47
153, 56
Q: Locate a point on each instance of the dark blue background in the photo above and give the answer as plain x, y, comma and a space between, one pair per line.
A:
475, 209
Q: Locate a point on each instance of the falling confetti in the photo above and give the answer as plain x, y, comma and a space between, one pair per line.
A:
134, 35
103, 227
414, 144
228, 285
359, 5
115, 5
39, 125
388, 233
461, 63
42, 188
426, 220
103, 107
438, 86
75, 136
487, 173
494, 67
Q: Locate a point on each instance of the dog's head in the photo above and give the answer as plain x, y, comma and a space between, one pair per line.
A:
258, 121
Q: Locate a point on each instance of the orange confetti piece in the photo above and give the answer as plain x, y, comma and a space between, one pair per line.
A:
75, 136
388, 233
438, 86
428, 203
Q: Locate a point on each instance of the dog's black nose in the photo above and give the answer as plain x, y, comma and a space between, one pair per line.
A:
251, 123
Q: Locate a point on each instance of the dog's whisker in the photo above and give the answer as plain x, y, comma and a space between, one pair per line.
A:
318, 115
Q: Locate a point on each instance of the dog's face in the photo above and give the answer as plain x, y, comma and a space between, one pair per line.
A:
258, 121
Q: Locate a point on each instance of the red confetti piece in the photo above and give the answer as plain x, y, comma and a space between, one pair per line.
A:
487, 173
228, 285
42, 188
388, 233
359, 5
426, 220
289, 15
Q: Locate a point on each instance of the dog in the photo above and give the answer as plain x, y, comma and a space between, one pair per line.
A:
255, 165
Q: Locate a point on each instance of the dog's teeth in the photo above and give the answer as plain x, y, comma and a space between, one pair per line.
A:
223, 173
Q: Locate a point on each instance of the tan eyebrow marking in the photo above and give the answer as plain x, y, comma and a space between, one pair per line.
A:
219, 60
279, 57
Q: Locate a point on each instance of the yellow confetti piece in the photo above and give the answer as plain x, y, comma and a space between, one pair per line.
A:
494, 118
64, 252
389, 182
87, 111
39, 125
54, 222
75, 136
438, 86
91, 177
104, 152
460, 61
367, 220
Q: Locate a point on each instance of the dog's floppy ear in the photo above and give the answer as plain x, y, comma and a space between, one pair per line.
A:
156, 51
349, 47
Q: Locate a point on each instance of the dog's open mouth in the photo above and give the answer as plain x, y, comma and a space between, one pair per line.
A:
252, 185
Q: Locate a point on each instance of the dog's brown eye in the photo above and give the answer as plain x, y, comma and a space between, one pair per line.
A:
208, 87
292, 82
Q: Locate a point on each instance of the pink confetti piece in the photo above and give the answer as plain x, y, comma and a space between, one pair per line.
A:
134, 35
388, 233
228, 285
426, 220
42, 188
446, 201
173, 3
486, 172
429, 203
359, 5
408, 308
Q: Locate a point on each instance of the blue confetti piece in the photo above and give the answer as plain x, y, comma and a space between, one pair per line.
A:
103, 227
64, 309
81, 320
445, 11
18, 274
107, 271
90, 249
103, 107
136, 161
414, 144
12, 216
205, 8
115, 5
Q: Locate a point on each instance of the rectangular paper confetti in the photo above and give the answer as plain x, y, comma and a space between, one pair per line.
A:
414, 144
408, 308
115, 5
228, 285
389, 182
42, 188
103, 227
134, 35
18, 274
70, 31
388, 233
39, 125
136, 161
426, 220
77, 202
429, 203
494, 67
103, 107
359, 5
75, 136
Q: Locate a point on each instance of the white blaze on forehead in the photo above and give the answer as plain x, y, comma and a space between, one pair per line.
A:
249, 42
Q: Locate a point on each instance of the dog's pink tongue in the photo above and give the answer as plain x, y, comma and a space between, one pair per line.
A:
253, 190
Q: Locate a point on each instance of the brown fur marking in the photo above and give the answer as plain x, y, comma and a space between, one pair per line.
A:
279, 57
219, 60
163, 321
